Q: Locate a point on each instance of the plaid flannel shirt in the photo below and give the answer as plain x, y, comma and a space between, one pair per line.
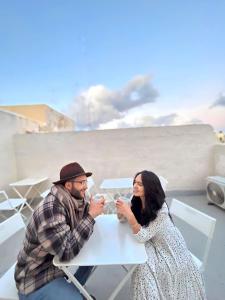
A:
59, 226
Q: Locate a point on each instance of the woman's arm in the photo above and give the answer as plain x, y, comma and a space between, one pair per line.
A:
135, 226
142, 234
146, 233
125, 210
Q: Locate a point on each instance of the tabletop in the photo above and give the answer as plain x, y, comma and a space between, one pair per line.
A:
112, 243
117, 183
90, 182
29, 181
126, 183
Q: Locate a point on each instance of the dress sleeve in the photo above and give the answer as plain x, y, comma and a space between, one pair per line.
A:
57, 238
146, 233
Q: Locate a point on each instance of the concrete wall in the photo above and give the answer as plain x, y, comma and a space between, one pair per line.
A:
219, 160
10, 125
182, 154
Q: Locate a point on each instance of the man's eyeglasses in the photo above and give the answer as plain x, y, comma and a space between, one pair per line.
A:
82, 182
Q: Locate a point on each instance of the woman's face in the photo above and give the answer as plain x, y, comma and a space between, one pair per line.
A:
138, 188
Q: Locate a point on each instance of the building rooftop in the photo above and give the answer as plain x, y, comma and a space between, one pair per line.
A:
101, 285
184, 155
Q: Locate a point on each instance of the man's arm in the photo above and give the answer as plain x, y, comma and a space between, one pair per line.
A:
56, 236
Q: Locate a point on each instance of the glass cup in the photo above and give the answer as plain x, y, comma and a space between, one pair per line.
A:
120, 217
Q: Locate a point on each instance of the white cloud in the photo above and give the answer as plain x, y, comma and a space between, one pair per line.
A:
147, 120
220, 101
215, 116
99, 105
132, 106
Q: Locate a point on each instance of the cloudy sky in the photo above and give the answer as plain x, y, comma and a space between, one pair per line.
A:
112, 64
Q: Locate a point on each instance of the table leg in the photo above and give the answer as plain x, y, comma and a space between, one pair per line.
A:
122, 282
37, 190
76, 283
25, 197
27, 204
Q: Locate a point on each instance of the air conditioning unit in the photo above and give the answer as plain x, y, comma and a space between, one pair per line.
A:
215, 188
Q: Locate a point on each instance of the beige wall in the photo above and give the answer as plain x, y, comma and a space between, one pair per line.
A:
48, 118
10, 125
219, 160
35, 112
56, 121
182, 154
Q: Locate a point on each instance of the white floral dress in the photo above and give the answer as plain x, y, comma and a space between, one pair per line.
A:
169, 273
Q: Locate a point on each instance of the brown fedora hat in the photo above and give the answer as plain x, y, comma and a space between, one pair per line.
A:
71, 171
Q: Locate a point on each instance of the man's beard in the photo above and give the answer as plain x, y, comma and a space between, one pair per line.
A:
76, 194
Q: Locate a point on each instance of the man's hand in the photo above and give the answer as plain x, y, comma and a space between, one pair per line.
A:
96, 207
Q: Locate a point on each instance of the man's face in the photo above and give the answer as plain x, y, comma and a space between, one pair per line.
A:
78, 187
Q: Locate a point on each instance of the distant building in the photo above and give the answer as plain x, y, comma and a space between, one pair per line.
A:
48, 119
221, 136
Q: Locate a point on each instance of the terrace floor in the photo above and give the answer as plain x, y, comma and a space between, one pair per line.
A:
104, 279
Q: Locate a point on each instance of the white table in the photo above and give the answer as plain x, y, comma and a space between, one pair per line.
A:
126, 183
117, 183
111, 243
90, 182
28, 184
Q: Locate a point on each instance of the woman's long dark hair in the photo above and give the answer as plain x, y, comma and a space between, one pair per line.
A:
154, 198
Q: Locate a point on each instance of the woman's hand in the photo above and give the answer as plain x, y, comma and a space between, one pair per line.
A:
123, 209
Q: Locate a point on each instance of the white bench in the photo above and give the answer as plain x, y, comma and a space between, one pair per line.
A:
8, 229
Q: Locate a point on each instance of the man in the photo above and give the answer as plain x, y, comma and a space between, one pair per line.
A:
60, 225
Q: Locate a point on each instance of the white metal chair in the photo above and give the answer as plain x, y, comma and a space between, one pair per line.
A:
13, 204
163, 182
10, 229
45, 193
200, 221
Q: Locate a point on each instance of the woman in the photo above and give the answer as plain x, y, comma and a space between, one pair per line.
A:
169, 273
